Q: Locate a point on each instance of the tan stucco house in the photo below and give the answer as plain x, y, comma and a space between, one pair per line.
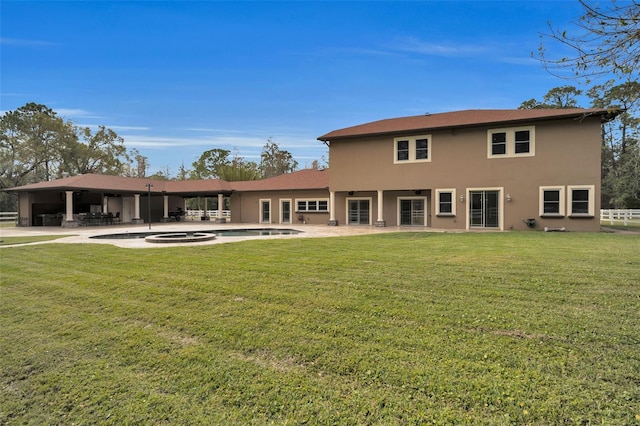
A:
473, 169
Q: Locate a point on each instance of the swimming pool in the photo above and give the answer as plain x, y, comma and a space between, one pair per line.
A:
259, 232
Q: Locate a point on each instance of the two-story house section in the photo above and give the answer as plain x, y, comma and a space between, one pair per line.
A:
473, 169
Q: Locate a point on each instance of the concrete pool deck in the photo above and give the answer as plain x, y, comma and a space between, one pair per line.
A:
82, 235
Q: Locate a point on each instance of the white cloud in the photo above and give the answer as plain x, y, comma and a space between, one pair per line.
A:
169, 142
74, 112
519, 60
202, 129
132, 128
415, 45
227, 141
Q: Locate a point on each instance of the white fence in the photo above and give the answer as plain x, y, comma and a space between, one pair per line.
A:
624, 215
9, 217
213, 214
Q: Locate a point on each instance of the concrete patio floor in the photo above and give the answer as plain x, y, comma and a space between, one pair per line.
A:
83, 234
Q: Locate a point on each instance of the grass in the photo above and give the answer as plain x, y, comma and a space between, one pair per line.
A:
632, 225
10, 241
406, 328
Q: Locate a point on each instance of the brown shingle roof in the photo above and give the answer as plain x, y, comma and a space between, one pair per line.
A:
92, 181
467, 118
303, 179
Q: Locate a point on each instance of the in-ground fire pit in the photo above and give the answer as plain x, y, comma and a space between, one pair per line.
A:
180, 237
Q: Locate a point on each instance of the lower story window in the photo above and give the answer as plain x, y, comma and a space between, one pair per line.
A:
320, 205
551, 201
445, 202
581, 200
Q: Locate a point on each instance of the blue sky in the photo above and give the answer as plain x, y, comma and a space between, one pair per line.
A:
175, 79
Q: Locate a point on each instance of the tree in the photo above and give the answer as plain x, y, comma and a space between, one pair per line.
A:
274, 162
558, 97
102, 152
137, 164
607, 42
620, 144
210, 163
183, 173
32, 139
627, 185
239, 169
163, 174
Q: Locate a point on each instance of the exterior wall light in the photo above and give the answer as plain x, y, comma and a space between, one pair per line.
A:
509, 198
462, 198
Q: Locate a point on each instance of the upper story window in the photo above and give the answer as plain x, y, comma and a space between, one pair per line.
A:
412, 149
512, 142
311, 205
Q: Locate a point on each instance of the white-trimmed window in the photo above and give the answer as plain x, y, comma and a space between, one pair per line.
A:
412, 149
581, 200
312, 205
445, 202
511, 142
551, 201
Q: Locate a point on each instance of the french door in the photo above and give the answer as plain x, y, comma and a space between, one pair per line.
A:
265, 211
484, 209
359, 212
285, 211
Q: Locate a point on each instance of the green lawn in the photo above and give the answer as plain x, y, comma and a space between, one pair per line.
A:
10, 241
632, 225
406, 328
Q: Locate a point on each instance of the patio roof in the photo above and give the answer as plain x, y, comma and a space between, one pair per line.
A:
302, 179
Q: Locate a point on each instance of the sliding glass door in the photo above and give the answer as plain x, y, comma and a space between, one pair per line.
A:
359, 212
484, 209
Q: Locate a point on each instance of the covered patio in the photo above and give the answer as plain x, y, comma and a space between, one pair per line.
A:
103, 200
98, 200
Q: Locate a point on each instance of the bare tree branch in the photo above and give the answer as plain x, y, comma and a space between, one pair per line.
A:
607, 41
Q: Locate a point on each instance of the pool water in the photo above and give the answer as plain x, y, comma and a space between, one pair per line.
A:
218, 232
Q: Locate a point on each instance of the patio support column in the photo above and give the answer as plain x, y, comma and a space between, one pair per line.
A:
380, 222
136, 207
69, 206
166, 207
220, 219
69, 222
332, 209
105, 204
